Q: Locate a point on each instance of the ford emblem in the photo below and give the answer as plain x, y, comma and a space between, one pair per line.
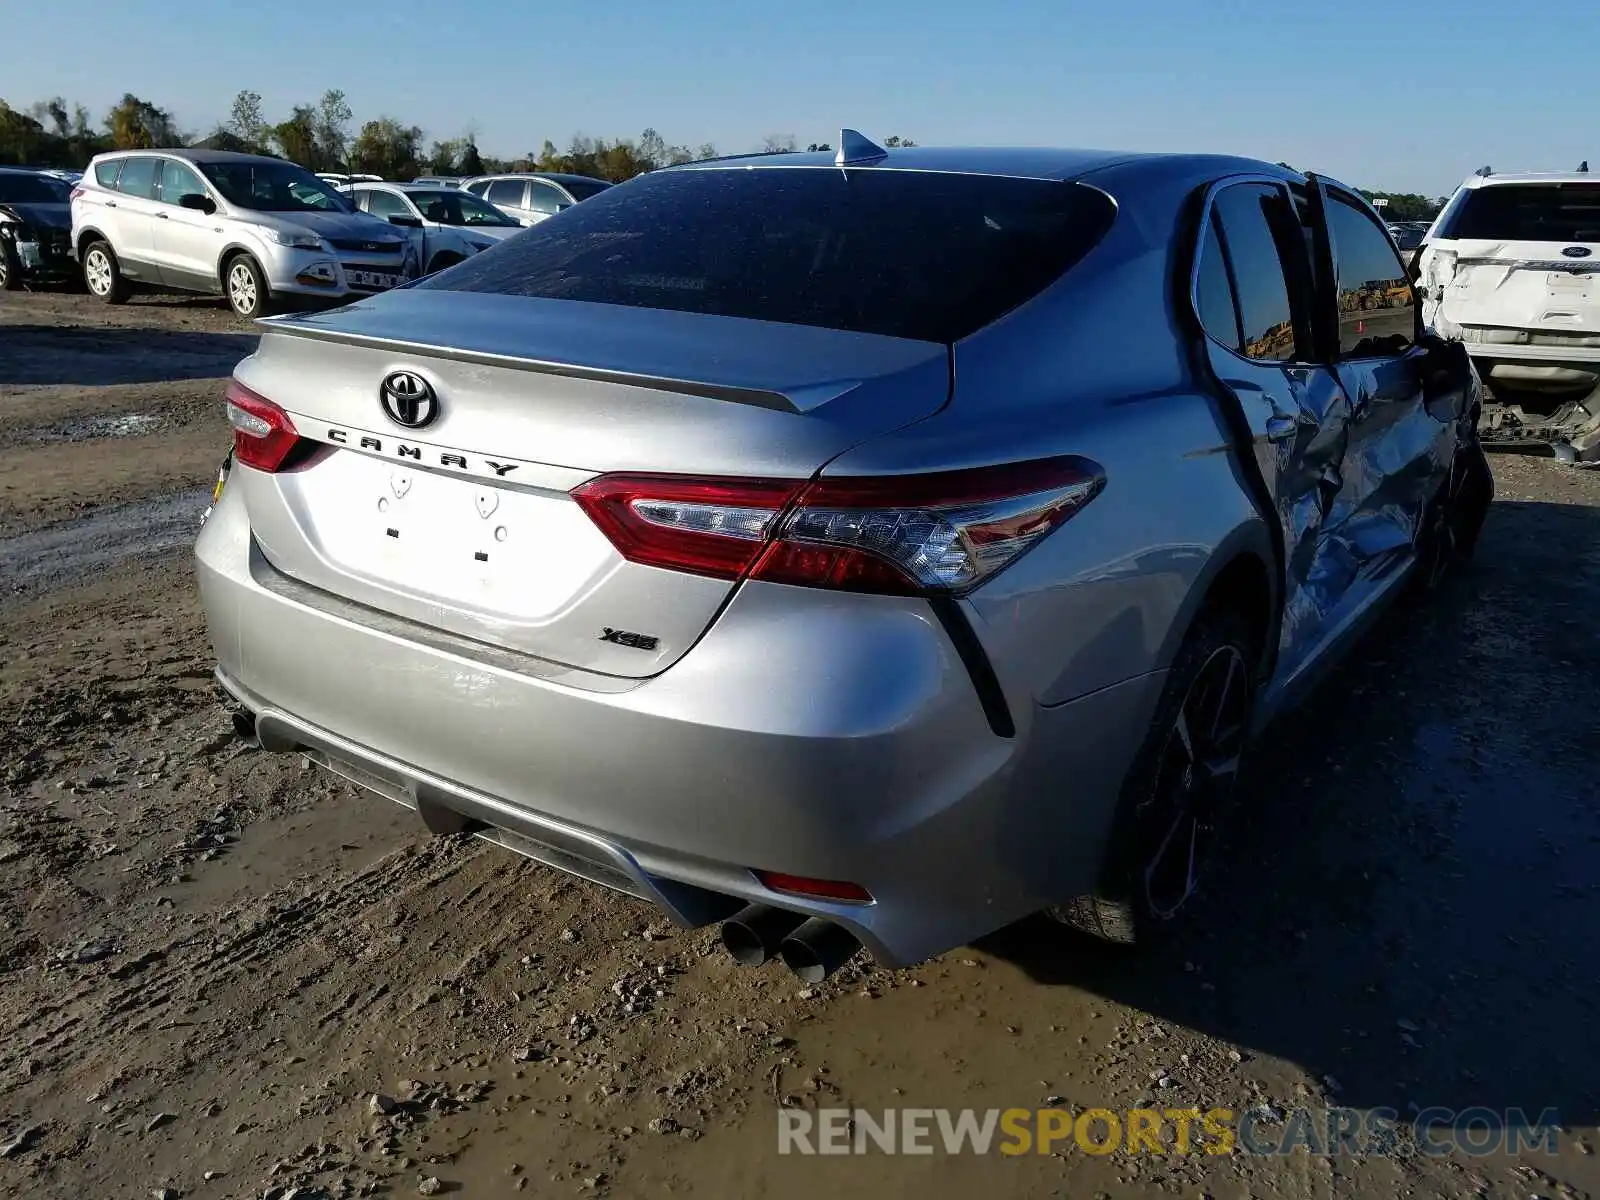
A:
1577, 252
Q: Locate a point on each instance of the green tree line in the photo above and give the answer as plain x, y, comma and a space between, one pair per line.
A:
320, 136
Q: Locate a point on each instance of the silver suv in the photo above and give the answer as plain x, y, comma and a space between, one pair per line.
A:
260, 231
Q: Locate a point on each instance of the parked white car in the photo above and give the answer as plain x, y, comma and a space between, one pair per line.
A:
261, 231
1512, 267
449, 224
533, 196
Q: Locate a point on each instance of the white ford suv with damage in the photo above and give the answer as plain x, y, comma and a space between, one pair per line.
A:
1512, 268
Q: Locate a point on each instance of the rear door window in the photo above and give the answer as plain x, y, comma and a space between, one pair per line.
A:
1526, 212
1377, 311
1266, 247
1213, 292
545, 198
139, 177
105, 173
904, 253
508, 192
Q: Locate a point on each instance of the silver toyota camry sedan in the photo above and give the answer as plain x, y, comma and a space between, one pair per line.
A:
869, 548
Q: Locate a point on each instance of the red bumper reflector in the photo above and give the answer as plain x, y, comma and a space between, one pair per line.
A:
821, 889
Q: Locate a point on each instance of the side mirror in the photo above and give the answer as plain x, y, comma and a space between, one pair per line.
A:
406, 222
198, 202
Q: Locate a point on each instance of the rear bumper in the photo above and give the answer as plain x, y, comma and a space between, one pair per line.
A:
779, 742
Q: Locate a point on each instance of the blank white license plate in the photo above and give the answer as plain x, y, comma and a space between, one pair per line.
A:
371, 278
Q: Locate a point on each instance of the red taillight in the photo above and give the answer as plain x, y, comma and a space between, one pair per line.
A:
76, 192
939, 533
821, 889
715, 527
263, 435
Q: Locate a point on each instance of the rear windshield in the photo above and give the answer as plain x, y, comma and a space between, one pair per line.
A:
1529, 212
582, 189
907, 254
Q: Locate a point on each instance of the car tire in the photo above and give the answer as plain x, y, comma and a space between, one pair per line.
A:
10, 268
1180, 787
441, 261
246, 288
101, 274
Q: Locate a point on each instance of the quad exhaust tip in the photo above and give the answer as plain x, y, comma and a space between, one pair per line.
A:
753, 934
244, 725
812, 948
817, 949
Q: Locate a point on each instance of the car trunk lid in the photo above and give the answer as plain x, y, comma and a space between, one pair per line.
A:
466, 523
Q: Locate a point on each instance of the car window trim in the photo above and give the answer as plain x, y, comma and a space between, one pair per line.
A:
1335, 193
1207, 216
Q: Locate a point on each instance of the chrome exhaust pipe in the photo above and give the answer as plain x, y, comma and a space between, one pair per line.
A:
817, 949
752, 935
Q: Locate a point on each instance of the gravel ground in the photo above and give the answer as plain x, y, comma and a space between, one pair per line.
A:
225, 975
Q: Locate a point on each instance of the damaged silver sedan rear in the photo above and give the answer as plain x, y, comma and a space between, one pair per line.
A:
869, 550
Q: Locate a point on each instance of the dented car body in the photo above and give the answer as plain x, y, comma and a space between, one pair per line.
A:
1512, 268
895, 543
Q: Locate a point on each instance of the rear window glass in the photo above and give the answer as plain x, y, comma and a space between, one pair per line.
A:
582, 189
105, 173
907, 254
1528, 212
139, 177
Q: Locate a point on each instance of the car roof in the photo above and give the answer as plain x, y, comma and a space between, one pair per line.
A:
558, 176
387, 186
1504, 177
1016, 162
197, 156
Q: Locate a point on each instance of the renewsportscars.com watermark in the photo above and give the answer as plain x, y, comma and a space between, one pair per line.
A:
1215, 1131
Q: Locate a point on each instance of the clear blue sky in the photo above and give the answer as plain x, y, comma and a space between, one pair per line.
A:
1409, 98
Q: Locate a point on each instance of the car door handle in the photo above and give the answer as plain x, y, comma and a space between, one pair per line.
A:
111, 203
1281, 428
163, 216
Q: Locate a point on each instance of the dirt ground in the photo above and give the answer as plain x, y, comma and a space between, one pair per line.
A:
223, 974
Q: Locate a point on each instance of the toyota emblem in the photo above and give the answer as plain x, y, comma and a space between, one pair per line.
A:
408, 399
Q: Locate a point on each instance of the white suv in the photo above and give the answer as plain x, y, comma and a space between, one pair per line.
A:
531, 197
261, 231
449, 224
1512, 267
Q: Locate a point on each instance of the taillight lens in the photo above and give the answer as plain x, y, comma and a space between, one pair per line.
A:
76, 192
933, 534
263, 434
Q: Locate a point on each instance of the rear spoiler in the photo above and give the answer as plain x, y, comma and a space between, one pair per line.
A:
755, 397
